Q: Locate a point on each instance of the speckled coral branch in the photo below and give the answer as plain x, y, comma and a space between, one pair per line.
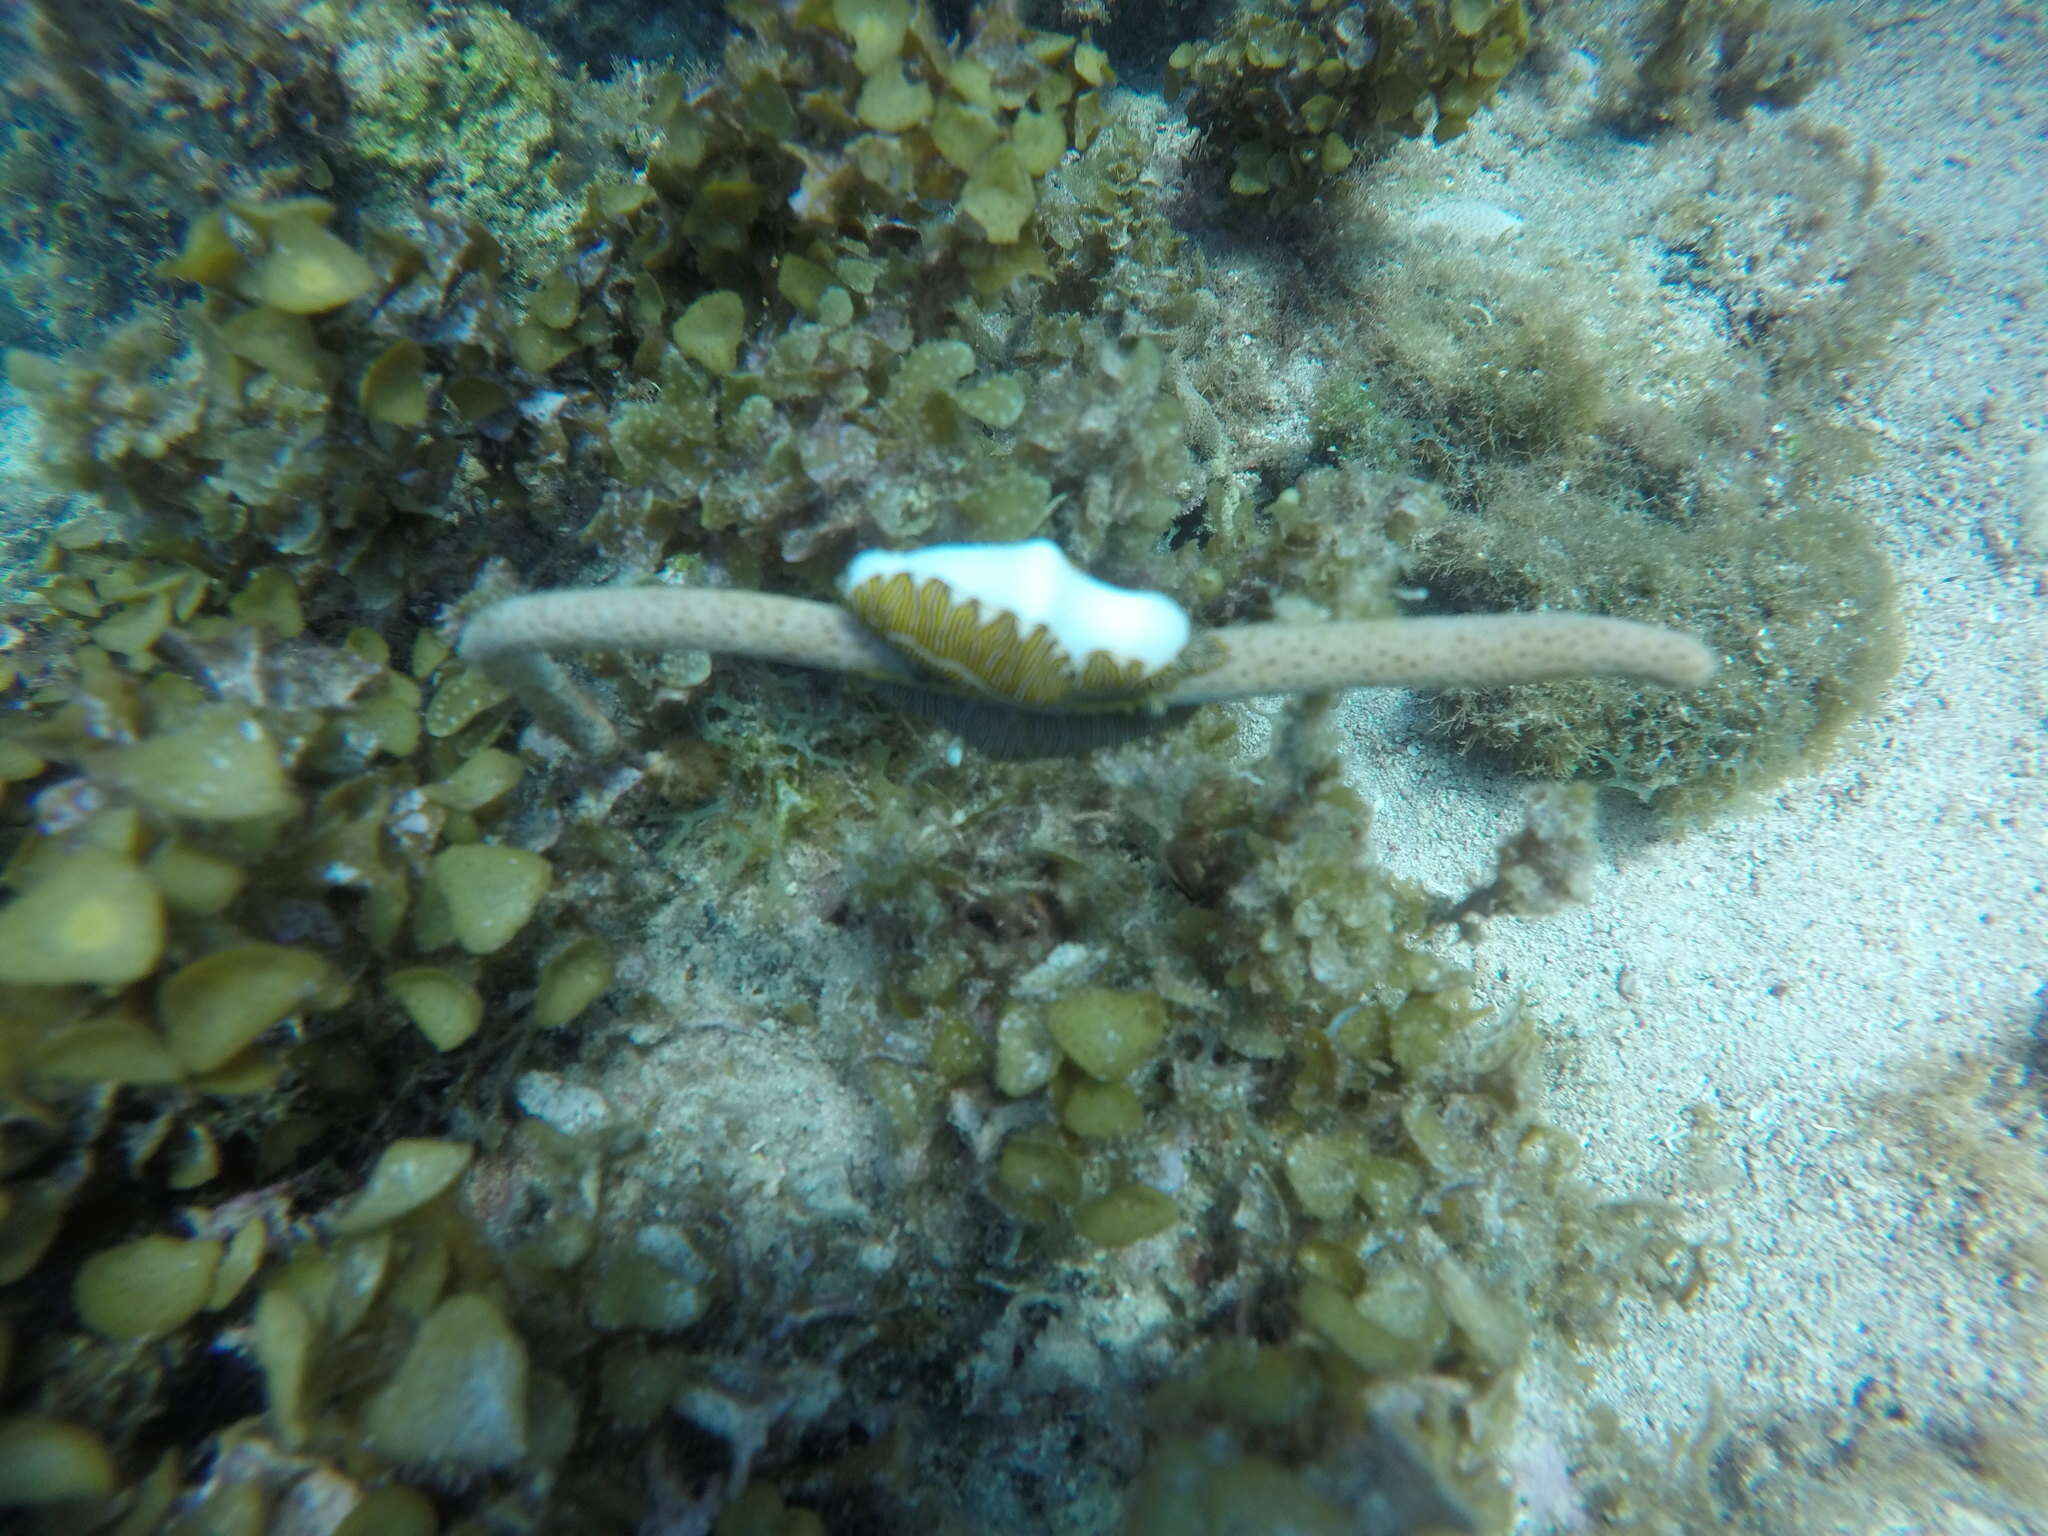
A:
1471, 650
512, 640
760, 625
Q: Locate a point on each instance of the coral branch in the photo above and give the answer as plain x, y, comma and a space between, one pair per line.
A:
1477, 650
512, 640
760, 625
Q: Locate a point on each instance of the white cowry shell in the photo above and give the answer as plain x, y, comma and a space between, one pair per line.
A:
1017, 622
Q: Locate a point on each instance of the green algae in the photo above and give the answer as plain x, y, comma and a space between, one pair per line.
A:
145, 1288
93, 918
458, 1399
1293, 90
445, 1006
1109, 1034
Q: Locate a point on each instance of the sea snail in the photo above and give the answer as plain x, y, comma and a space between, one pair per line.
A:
1018, 623
1015, 629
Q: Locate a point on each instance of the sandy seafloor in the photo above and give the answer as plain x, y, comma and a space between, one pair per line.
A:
1867, 932
1867, 928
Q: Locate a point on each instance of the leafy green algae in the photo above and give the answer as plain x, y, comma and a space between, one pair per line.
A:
1293, 90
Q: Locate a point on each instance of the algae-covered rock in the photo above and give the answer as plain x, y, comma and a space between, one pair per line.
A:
1292, 87
1704, 59
458, 1399
470, 96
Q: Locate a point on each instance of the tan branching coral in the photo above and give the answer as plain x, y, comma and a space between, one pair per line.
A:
514, 639
1485, 650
